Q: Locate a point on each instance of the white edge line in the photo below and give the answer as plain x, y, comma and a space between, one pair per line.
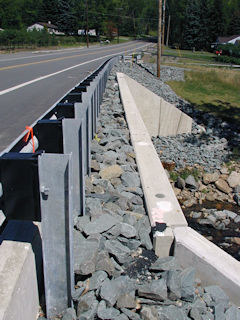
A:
58, 72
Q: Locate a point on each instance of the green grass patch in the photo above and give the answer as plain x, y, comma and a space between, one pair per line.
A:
212, 90
194, 55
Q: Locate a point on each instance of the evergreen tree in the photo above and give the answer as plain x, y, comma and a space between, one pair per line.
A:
234, 25
49, 11
176, 9
218, 20
10, 14
30, 11
66, 21
192, 25
204, 36
233, 15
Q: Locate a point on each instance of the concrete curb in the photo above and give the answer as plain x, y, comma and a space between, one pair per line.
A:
213, 265
161, 203
160, 117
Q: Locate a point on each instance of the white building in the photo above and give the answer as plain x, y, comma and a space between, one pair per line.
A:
51, 28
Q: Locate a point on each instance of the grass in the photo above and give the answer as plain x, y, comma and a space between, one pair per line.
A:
194, 55
212, 90
184, 58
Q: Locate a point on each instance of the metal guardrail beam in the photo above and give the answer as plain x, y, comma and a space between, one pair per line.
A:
48, 185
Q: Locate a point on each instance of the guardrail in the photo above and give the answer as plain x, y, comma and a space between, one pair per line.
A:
42, 179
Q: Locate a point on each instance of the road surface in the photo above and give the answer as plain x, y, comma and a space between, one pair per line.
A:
32, 82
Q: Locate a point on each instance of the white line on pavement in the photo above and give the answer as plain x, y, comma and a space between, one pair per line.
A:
58, 72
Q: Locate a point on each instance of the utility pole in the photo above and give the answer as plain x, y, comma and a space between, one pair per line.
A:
168, 29
118, 23
87, 22
159, 38
163, 23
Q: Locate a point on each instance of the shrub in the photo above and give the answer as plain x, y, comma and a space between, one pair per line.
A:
227, 59
230, 50
12, 38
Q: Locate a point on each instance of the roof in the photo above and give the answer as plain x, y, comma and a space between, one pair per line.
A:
227, 39
47, 24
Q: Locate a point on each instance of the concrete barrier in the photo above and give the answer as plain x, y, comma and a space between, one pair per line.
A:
161, 203
160, 117
213, 265
20, 270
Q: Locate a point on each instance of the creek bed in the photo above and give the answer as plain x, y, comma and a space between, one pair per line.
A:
222, 238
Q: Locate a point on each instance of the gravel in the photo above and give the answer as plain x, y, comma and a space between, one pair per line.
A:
118, 275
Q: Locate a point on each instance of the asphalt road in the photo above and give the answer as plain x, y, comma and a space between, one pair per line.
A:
32, 82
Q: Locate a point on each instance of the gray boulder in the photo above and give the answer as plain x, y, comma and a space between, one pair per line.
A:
126, 301
85, 252
187, 284
131, 315
130, 179
119, 251
149, 313
191, 183
232, 313
111, 290
155, 290
165, 264
216, 293
170, 313
106, 313
104, 263
97, 279
85, 302
123, 229
100, 225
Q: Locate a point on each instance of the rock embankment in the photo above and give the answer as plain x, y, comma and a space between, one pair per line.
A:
117, 273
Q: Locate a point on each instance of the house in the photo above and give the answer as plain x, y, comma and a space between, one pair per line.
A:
91, 32
224, 40
51, 28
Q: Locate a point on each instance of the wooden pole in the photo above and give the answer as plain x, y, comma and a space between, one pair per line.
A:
163, 30
169, 19
159, 39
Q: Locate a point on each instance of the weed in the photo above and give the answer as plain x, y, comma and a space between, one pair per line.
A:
187, 172
173, 175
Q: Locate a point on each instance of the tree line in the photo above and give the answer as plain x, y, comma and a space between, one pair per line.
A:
193, 23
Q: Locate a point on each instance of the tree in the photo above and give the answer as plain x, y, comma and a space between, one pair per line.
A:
233, 17
218, 20
49, 11
192, 25
30, 11
10, 15
176, 9
66, 21
204, 35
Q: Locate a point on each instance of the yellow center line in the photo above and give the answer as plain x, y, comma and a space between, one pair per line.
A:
56, 59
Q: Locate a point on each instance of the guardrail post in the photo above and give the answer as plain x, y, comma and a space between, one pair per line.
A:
55, 183
83, 112
73, 143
